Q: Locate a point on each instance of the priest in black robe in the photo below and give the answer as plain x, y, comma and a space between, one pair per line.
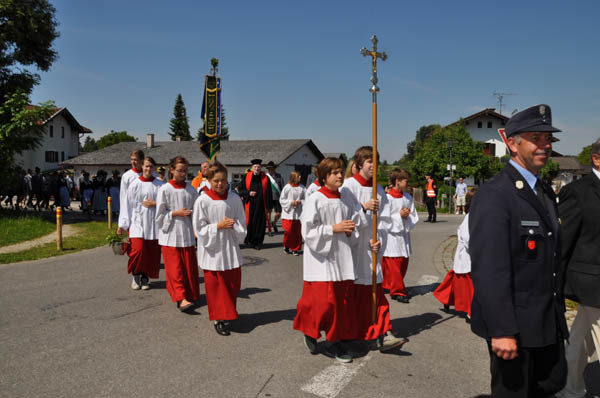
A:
255, 191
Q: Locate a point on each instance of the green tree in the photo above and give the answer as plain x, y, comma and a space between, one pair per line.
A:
22, 126
423, 134
180, 126
549, 171
585, 156
114, 137
27, 30
433, 156
89, 145
224, 128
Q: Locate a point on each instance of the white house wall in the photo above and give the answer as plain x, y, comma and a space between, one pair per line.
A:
69, 145
488, 135
303, 156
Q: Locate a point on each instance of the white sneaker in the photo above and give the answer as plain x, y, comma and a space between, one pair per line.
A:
389, 341
135, 282
145, 283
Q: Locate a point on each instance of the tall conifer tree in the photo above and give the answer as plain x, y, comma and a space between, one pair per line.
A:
180, 123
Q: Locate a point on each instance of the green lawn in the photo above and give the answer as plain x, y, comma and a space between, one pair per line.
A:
93, 234
18, 227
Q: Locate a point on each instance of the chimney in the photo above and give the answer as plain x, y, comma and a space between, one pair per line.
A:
149, 141
178, 138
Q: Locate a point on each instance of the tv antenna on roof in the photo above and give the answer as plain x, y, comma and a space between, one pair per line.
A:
500, 96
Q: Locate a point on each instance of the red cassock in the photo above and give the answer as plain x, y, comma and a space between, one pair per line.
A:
292, 236
144, 257
222, 289
326, 306
264, 180
363, 301
181, 271
456, 290
394, 271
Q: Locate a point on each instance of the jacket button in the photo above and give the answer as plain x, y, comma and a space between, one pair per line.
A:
555, 293
549, 233
554, 274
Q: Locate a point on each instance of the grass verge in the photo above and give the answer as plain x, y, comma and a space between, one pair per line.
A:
16, 227
92, 234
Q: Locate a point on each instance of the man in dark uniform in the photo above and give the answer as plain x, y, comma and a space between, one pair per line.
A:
579, 209
431, 192
255, 191
518, 304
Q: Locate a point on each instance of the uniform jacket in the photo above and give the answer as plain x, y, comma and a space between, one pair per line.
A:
579, 210
515, 255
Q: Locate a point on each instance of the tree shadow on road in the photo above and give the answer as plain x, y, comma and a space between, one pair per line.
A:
413, 325
248, 322
245, 293
252, 260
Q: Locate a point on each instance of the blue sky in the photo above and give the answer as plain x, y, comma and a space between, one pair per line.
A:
292, 69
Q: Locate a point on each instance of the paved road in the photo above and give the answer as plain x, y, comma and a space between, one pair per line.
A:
72, 327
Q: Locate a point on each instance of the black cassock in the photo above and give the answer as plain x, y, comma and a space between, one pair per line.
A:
255, 207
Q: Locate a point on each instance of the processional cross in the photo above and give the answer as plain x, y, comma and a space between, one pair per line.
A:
374, 89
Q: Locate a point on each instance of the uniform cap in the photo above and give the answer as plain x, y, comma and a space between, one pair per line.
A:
537, 118
256, 161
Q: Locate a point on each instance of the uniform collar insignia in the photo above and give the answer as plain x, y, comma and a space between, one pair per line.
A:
519, 184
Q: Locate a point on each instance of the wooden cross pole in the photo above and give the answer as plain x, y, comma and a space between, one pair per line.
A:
374, 90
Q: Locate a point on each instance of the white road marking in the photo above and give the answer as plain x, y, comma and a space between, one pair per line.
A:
329, 382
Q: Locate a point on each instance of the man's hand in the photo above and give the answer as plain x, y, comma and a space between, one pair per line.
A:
252, 193
226, 223
120, 231
505, 347
183, 212
346, 226
404, 212
375, 246
372, 205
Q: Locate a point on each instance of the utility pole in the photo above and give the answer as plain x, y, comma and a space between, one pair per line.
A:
500, 96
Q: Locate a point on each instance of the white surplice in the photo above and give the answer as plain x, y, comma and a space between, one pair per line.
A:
140, 220
219, 249
362, 251
398, 236
462, 258
289, 194
312, 188
126, 179
328, 255
175, 231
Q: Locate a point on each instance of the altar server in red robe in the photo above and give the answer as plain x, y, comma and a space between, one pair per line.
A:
136, 158
291, 199
220, 225
176, 236
360, 185
332, 222
140, 220
457, 287
397, 247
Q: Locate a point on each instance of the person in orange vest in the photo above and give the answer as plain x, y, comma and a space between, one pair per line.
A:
200, 177
431, 192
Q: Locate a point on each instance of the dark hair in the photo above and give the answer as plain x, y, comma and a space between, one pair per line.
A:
138, 153
398, 174
149, 159
326, 166
214, 168
176, 160
596, 147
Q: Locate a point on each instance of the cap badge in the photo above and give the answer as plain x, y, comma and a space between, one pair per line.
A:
542, 110
519, 184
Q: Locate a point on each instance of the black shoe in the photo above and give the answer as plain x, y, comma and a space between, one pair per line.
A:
446, 308
275, 229
287, 251
335, 350
311, 344
433, 221
222, 328
257, 247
